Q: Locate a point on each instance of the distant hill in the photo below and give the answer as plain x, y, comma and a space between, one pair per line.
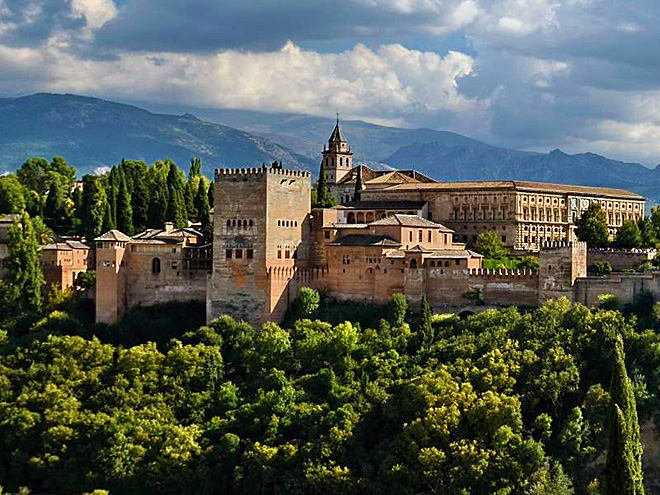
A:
450, 156
91, 132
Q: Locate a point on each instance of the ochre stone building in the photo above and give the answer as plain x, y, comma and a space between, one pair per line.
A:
395, 232
62, 262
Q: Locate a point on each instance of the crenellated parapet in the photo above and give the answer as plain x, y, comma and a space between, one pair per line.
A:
547, 246
259, 172
301, 274
484, 273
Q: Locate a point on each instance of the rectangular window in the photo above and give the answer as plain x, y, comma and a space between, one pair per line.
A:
228, 254
239, 253
327, 234
279, 254
503, 238
458, 262
287, 254
419, 236
249, 254
429, 236
410, 236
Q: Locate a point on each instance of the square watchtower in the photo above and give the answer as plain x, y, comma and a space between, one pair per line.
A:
260, 225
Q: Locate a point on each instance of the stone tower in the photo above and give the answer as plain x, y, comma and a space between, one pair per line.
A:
560, 264
260, 224
337, 158
110, 280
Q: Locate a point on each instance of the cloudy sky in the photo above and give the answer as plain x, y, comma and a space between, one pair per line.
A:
582, 75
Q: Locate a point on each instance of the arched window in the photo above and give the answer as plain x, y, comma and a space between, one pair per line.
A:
341, 161
233, 223
240, 223
228, 223
351, 217
155, 266
413, 263
251, 223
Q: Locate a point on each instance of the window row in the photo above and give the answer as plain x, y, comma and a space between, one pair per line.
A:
287, 254
240, 223
539, 200
287, 223
237, 253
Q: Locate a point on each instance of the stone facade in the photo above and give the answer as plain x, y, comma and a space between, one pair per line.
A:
261, 226
405, 234
61, 262
156, 266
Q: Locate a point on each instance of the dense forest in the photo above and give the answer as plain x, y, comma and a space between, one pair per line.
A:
339, 398
130, 197
397, 401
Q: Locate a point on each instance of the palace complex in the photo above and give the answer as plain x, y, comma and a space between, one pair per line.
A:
392, 232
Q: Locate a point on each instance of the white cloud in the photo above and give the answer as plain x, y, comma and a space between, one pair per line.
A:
386, 83
95, 12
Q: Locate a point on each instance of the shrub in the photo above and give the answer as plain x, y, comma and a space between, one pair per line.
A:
600, 268
307, 302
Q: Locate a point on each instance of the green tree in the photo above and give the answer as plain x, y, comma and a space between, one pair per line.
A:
592, 226
648, 232
44, 234
629, 236
56, 205
12, 199
306, 302
323, 197
135, 173
108, 222
23, 266
623, 472
211, 194
425, 326
176, 207
124, 209
203, 210
94, 205
490, 245
396, 309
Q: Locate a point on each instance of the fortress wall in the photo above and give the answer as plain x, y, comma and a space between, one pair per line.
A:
625, 287
620, 259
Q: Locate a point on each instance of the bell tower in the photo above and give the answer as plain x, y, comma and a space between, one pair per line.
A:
338, 157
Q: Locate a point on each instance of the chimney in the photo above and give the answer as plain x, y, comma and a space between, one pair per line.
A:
169, 226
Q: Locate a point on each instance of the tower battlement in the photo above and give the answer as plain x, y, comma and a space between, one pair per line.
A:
547, 246
247, 173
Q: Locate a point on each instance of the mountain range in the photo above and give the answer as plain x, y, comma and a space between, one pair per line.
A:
91, 132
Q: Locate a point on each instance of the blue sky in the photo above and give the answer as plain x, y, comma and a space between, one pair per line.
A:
581, 75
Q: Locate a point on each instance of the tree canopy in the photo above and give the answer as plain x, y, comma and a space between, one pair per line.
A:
592, 226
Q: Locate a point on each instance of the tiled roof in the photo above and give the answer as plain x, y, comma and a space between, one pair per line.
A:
454, 253
67, 245
365, 240
384, 176
409, 221
172, 234
383, 205
519, 186
114, 235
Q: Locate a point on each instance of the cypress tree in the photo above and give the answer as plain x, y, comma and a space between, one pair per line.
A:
113, 192
189, 198
108, 223
93, 209
425, 329
195, 167
24, 266
55, 203
322, 193
124, 209
137, 188
203, 210
211, 194
623, 471
176, 208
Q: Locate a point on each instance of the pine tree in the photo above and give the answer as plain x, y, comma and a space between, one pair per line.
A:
23, 265
176, 208
93, 209
623, 471
203, 210
124, 209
